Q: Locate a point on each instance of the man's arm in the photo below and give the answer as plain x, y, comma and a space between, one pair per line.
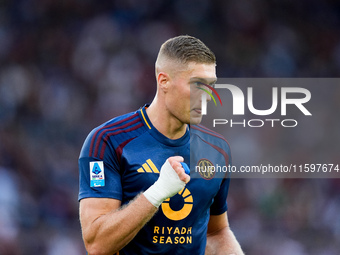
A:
220, 238
107, 227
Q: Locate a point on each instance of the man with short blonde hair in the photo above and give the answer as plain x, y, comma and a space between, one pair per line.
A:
136, 192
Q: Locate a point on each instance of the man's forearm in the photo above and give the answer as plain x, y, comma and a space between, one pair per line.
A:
111, 232
223, 242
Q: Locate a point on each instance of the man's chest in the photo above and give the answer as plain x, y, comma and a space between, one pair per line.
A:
141, 168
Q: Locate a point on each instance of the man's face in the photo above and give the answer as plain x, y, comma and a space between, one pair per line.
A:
184, 97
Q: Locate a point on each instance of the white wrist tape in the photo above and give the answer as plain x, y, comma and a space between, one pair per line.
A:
167, 185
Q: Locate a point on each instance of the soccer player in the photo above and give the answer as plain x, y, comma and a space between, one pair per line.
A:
135, 195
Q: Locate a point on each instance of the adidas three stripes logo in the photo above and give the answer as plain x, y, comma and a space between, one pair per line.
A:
148, 167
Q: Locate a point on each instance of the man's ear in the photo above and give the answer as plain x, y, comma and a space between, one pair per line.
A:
163, 80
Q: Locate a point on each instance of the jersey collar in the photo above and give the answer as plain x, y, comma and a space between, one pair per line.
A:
158, 135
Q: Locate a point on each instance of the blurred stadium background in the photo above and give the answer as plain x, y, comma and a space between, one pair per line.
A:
67, 66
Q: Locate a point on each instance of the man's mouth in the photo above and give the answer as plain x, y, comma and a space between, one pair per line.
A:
197, 110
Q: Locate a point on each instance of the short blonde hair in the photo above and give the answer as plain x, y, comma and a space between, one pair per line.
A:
186, 49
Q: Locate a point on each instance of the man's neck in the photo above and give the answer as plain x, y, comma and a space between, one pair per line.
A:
165, 123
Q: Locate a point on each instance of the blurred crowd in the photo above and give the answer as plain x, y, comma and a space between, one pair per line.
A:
67, 66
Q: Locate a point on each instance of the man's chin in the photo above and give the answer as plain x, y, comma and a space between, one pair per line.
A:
195, 120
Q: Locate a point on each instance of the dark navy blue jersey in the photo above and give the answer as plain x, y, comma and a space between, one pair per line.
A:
123, 157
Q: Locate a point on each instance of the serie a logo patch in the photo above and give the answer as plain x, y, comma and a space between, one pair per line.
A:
97, 176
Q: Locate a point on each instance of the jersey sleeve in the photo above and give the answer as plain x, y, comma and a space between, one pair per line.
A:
220, 205
99, 175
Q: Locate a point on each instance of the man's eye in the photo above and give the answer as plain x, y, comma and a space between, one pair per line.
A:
199, 84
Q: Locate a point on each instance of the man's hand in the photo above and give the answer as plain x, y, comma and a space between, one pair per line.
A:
171, 180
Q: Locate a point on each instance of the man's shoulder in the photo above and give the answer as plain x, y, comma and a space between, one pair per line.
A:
205, 132
206, 141
117, 125
117, 131
120, 121
209, 136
